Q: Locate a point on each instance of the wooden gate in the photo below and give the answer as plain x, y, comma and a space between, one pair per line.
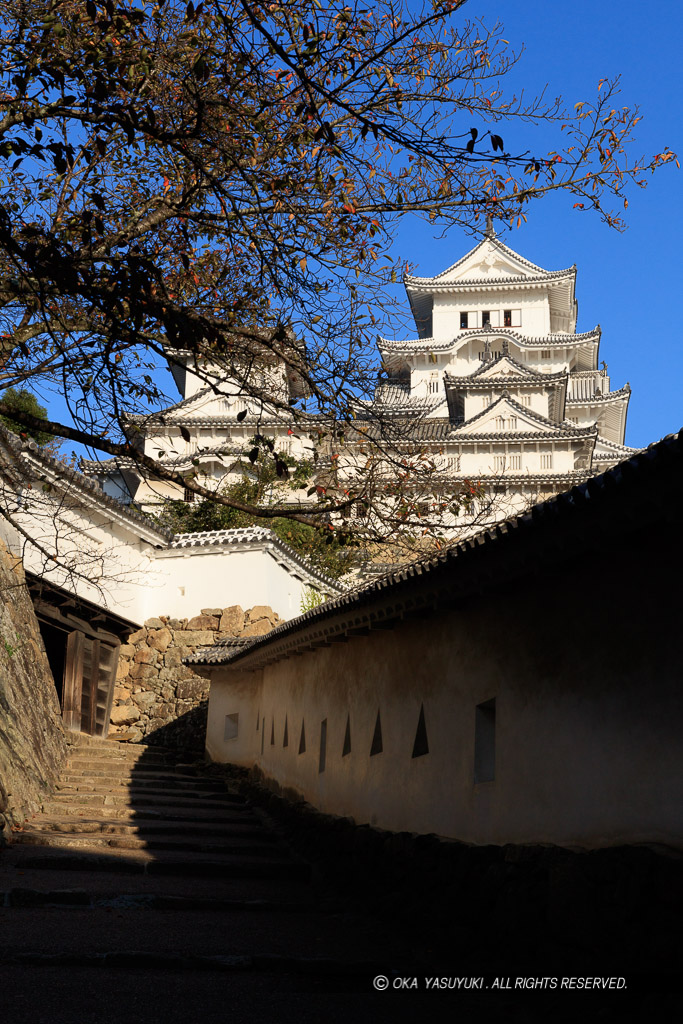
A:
89, 677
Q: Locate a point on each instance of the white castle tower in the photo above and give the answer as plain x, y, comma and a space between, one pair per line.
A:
498, 383
497, 386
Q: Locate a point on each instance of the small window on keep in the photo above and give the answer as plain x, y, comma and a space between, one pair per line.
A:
485, 317
231, 727
188, 495
485, 742
464, 318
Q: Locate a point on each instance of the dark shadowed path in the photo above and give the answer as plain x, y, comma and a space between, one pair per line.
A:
151, 889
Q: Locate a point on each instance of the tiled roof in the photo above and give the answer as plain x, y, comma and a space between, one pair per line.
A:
257, 536
504, 250
433, 284
611, 396
556, 428
28, 451
564, 522
525, 341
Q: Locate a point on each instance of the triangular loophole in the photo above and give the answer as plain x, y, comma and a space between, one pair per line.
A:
302, 741
346, 749
377, 747
285, 737
421, 744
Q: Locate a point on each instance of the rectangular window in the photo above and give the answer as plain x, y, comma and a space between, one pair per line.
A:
545, 353
500, 423
526, 400
546, 461
231, 727
516, 318
463, 321
507, 318
512, 423
515, 462
188, 495
453, 463
433, 383
498, 463
323, 745
485, 741
485, 317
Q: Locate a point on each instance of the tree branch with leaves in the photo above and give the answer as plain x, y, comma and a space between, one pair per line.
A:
225, 179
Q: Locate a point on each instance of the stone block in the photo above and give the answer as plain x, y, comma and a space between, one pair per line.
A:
203, 622
259, 628
212, 611
122, 693
124, 714
153, 624
192, 689
192, 638
137, 638
126, 651
182, 673
260, 611
122, 670
131, 736
177, 623
174, 656
156, 723
167, 692
159, 639
232, 620
142, 671
145, 699
146, 657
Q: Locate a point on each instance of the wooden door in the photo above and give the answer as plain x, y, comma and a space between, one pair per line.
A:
89, 677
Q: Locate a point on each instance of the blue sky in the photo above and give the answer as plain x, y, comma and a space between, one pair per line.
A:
629, 283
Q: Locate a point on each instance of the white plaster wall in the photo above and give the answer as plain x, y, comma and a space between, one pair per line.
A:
587, 730
97, 554
188, 579
535, 311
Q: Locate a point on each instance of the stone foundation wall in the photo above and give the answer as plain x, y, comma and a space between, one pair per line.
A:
32, 742
159, 699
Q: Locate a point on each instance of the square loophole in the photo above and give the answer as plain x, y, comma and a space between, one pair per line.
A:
231, 727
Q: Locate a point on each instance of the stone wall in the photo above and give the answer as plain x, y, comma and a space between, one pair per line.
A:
159, 699
32, 742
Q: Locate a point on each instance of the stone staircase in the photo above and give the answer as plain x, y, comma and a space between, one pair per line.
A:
166, 816
145, 865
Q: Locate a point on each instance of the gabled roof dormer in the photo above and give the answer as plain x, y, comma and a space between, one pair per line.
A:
494, 266
506, 416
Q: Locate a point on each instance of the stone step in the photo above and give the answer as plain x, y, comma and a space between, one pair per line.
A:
87, 784
164, 862
82, 739
152, 812
152, 828
147, 798
222, 845
114, 763
100, 746
162, 775
131, 752
71, 897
